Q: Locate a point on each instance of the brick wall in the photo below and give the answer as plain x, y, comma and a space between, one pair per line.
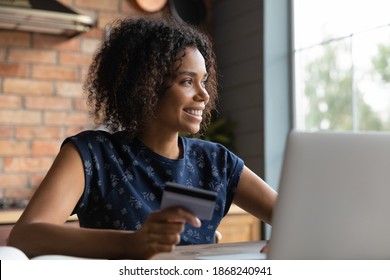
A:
41, 98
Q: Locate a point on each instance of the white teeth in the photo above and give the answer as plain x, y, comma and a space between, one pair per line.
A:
195, 112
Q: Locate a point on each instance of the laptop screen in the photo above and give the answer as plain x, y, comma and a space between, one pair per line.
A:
334, 197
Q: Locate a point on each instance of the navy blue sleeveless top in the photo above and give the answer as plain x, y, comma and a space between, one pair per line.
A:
124, 181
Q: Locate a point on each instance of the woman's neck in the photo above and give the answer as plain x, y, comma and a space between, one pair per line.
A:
166, 146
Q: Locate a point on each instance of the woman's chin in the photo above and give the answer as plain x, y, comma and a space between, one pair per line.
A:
191, 132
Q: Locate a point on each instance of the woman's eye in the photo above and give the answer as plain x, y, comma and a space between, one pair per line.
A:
187, 82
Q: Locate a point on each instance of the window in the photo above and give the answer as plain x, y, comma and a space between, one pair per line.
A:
342, 65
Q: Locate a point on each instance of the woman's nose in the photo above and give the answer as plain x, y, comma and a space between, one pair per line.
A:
202, 94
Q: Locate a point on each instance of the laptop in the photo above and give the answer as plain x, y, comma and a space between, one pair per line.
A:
334, 197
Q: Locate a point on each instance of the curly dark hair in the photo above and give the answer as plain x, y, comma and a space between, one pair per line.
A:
126, 78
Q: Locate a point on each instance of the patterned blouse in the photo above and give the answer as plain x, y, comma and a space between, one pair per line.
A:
124, 181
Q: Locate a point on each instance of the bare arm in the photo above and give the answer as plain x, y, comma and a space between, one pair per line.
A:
255, 196
41, 230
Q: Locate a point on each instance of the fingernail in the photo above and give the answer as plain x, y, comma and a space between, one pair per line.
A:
198, 222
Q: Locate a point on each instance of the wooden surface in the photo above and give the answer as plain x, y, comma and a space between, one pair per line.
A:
10, 216
239, 226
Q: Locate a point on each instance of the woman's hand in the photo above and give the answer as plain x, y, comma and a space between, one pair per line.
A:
161, 231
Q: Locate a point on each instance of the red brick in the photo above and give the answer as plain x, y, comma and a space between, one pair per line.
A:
27, 86
10, 102
80, 104
66, 118
72, 58
27, 164
77, 129
2, 54
89, 46
35, 180
69, 89
14, 38
54, 42
13, 69
6, 131
55, 72
46, 147
96, 33
48, 103
14, 148
32, 56
12, 117
21, 192
38, 132
105, 18
129, 7
13, 180
84, 73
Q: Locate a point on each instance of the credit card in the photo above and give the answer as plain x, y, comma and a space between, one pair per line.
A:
198, 201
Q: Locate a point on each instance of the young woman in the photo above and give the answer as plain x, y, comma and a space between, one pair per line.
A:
151, 81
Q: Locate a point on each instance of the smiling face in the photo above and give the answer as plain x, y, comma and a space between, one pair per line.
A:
181, 107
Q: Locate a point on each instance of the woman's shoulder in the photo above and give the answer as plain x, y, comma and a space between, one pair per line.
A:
91, 138
202, 144
92, 135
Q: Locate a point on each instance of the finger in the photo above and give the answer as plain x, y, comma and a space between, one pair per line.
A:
152, 243
166, 239
157, 243
177, 214
164, 227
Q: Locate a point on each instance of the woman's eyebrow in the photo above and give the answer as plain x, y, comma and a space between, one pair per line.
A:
191, 74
